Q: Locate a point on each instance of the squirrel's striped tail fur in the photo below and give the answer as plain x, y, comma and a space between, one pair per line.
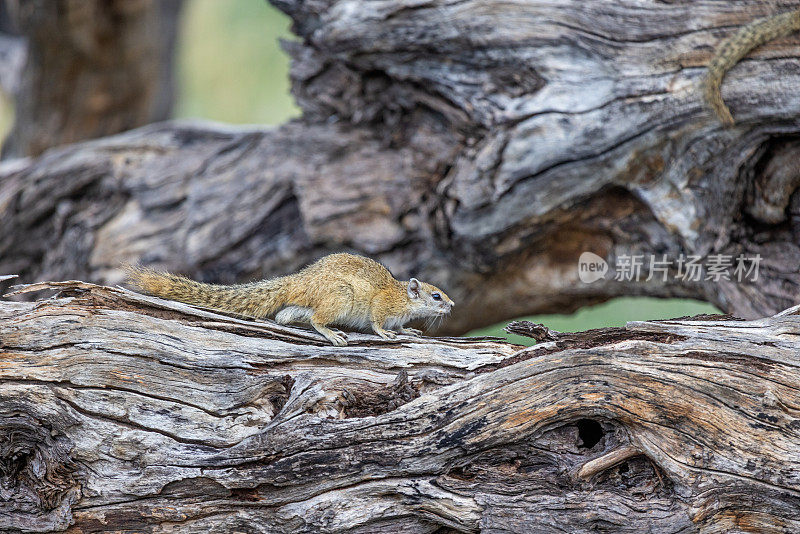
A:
257, 299
735, 47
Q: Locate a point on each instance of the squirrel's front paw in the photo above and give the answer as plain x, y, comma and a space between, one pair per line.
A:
337, 339
387, 334
411, 331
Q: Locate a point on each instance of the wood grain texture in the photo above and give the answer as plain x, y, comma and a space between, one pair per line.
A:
121, 412
479, 146
87, 69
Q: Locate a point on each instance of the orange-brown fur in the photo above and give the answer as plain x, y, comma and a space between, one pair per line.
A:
341, 289
734, 48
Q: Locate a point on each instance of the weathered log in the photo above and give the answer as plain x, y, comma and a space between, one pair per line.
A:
92, 68
120, 412
480, 146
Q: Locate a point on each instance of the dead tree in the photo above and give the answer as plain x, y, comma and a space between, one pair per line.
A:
479, 146
93, 68
125, 413
482, 146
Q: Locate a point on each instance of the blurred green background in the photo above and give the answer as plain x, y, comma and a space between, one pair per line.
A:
615, 312
231, 69
230, 65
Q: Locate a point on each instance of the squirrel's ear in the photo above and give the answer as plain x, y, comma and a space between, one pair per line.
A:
413, 288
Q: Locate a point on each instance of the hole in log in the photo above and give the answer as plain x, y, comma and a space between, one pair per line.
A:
245, 494
194, 487
12, 466
637, 475
772, 179
279, 398
546, 458
37, 473
529, 478
589, 433
462, 472
383, 399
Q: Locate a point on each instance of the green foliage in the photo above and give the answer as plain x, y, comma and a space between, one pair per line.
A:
230, 66
6, 116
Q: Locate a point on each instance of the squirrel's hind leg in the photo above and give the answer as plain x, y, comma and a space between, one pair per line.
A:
335, 307
302, 314
337, 339
321, 319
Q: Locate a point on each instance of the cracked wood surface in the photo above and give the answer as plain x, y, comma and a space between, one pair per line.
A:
125, 412
480, 146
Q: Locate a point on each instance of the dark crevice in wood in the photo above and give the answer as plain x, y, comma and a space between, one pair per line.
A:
538, 468
380, 400
590, 433
37, 472
279, 399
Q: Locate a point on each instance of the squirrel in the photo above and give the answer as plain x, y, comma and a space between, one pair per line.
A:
342, 289
735, 47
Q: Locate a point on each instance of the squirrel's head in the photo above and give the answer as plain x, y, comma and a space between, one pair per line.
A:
427, 300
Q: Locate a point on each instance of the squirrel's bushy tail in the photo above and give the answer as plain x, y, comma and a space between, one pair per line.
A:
736, 47
258, 299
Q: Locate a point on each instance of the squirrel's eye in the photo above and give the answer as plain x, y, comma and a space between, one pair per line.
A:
436, 296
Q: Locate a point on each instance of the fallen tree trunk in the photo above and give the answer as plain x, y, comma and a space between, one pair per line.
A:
121, 412
479, 146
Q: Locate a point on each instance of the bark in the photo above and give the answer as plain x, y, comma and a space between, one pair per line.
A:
480, 147
93, 68
120, 412
12, 50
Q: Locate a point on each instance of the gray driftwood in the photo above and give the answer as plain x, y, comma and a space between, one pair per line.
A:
480, 145
85, 69
120, 412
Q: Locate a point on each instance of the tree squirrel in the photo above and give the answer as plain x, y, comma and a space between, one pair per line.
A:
341, 289
735, 47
